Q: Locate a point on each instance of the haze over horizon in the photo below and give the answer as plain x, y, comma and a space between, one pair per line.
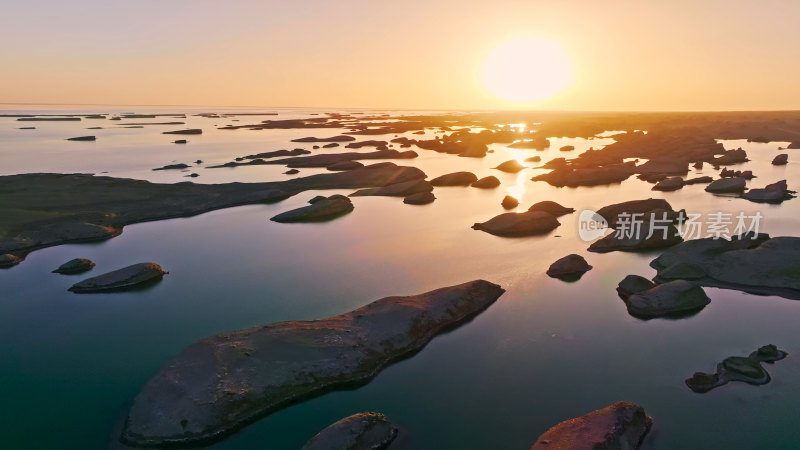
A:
618, 55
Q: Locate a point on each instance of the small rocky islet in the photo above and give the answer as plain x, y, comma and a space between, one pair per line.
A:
511, 166
419, 198
362, 431
189, 131
633, 284
621, 425
551, 207
748, 369
123, 279
654, 215
455, 179
9, 260
83, 138
509, 202
489, 182
528, 223
671, 299
75, 266
320, 209
569, 268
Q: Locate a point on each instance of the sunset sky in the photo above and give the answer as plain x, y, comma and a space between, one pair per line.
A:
622, 55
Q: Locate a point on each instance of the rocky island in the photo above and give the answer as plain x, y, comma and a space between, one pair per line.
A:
220, 383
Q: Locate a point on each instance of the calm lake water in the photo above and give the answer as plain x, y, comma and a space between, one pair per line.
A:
547, 350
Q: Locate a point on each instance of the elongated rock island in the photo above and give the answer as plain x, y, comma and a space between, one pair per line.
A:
223, 382
121, 279
40, 210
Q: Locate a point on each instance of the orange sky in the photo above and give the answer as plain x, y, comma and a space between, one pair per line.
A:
633, 55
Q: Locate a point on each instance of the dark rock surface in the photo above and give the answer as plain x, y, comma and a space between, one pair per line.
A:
396, 190
698, 180
730, 173
174, 167
673, 298
223, 382
83, 207
119, 280
620, 426
83, 138
362, 431
737, 368
323, 160
278, 153
74, 266
328, 159
188, 131
241, 162
633, 284
612, 213
781, 160
339, 138
569, 268
730, 157
765, 266
771, 193
634, 241
551, 208
321, 209
511, 224
370, 143
587, 176
662, 168
510, 166
9, 260
727, 185
468, 147
49, 119
420, 198
139, 124
345, 165
683, 271
486, 183
455, 179
509, 202
669, 184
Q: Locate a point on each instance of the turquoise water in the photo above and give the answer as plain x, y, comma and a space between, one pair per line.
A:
545, 351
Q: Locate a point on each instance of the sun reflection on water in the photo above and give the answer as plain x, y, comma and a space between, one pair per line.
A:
517, 190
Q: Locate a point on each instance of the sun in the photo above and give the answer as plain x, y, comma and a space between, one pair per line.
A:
526, 69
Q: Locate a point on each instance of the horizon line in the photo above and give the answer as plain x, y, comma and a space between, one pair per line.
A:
404, 108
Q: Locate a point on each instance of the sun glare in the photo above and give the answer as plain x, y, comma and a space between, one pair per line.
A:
526, 69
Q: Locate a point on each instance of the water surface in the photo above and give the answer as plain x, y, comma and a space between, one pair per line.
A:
70, 365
